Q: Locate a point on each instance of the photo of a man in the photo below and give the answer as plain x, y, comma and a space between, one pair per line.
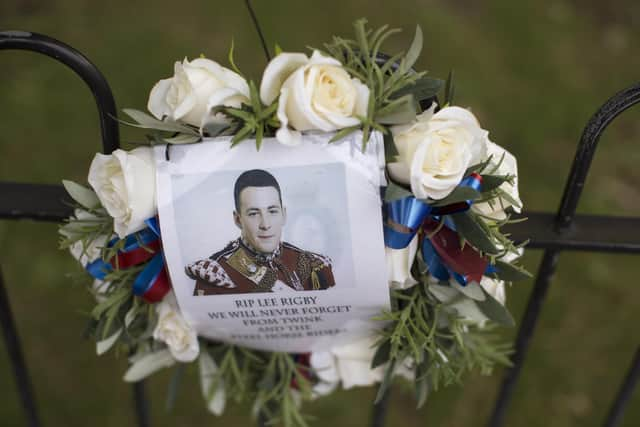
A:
259, 261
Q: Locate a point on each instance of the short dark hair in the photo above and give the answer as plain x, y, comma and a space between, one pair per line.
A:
254, 178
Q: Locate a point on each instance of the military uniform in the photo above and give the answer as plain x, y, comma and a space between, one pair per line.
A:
239, 269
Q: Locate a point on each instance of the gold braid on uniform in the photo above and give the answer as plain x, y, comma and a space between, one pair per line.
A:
274, 264
317, 264
303, 267
268, 280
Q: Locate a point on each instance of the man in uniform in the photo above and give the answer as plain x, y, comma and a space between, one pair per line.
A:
259, 261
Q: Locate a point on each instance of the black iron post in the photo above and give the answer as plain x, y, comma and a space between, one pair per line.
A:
564, 219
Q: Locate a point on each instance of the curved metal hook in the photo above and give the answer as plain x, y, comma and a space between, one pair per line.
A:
564, 218
23, 40
586, 150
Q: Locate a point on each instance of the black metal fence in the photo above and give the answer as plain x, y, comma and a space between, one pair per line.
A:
551, 232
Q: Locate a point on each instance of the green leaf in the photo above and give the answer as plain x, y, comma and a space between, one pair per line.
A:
445, 294
421, 386
472, 290
82, 195
268, 112
148, 364
386, 382
104, 345
259, 136
211, 385
231, 60
491, 182
478, 167
343, 133
508, 198
449, 89
242, 134
277, 49
414, 50
399, 111
381, 355
395, 192
511, 272
468, 227
459, 194
240, 114
376, 42
174, 385
182, 139
390, 150
254, 97
361, 36
421, 89
213, 129
495, 311
146, 121
386, 68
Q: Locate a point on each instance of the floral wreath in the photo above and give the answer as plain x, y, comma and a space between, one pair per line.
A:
449, 191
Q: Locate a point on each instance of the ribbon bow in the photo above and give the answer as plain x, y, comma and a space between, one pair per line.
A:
441, 251
152, 283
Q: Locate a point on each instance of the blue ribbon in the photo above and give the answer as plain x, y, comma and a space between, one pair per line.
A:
153, 225
148, 276
404, 216
98, 269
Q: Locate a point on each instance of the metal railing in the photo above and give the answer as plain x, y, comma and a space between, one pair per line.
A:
554, 233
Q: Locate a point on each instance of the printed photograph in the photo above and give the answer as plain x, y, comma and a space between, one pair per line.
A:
276, 230
259, 259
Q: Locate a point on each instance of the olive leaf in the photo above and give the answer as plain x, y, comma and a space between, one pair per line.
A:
146, 121
467, 225
82, 195
495, 311
414, 50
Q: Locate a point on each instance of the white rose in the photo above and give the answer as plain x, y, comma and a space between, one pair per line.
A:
350, 363
194, 89
399, 262
125, 183
508, 166
173, 330
436, 149
315, 93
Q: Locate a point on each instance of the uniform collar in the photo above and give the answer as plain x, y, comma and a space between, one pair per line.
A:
259, 256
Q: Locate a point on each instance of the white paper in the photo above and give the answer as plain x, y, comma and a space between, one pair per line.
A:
329, 222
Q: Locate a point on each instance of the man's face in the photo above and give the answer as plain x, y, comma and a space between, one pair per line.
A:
261, 218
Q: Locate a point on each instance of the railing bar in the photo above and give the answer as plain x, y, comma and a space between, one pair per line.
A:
40, 202
141, 404
587, 148
624, 394
262, 420
45, 202
562, 224
525, 333
89, 73
379, 412
16, 356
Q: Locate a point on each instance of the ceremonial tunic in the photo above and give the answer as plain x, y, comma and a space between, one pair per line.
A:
239, 269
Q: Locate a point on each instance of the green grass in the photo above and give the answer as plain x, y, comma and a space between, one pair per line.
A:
532, 72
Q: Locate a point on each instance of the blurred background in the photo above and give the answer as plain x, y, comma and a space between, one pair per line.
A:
532, 71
